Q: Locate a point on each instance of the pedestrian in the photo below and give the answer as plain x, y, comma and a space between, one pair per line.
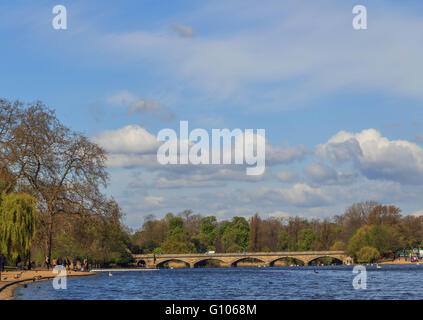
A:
47, 262
2, 262
74, 264
85, 264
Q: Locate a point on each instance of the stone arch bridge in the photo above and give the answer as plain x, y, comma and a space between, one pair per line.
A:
231, 259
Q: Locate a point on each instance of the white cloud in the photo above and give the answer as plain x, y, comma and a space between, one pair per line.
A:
284, 155
300, 194
129, 139
154, 201
320, 173
417, 213
279, 214
376, 157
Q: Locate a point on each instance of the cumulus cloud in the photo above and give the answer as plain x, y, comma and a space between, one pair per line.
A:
375, 156
204, 176
320, 173
129, 139
183, 31
300, 194
284, 155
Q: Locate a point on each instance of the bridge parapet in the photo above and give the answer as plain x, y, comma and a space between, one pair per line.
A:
230, 259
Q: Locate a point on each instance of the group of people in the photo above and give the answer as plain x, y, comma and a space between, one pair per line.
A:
65, 262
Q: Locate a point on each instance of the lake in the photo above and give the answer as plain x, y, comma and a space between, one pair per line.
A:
326, 282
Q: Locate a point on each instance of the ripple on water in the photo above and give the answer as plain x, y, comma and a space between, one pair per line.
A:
334, 282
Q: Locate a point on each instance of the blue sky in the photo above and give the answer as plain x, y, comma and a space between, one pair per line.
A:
342, 108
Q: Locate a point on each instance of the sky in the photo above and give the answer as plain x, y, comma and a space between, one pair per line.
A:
342, 108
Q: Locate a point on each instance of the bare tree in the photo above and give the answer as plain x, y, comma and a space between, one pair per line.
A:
61, 168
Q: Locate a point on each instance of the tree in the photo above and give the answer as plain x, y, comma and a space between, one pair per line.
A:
384, 215
17, 224
177, 240
326, 235
294, 227
358, 241
209, 228
338, 246
151, 235
62, 169
354, 217
306, 240
236, 235
286, 242
270, 229
205, 240
255, 234
367, 254
380, 237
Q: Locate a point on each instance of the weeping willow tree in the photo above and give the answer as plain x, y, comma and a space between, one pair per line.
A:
17, 224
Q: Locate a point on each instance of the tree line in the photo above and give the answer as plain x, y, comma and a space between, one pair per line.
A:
52, 203
366, 231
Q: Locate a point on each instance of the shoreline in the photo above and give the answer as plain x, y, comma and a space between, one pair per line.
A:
26, 277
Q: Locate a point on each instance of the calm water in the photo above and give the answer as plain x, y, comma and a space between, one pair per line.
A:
389, 282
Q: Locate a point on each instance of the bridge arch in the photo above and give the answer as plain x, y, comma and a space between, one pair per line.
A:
141, 263
289, 260
201, 262
254, 259
162, 263
335, 259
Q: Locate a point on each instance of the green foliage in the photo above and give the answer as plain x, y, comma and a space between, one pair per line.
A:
380, 237
177, 240
209, 228
176, 225
338, 246
178, 243
306, 240
102, 241
367, 254
286, 242
158, 250
235, 236
17, 224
